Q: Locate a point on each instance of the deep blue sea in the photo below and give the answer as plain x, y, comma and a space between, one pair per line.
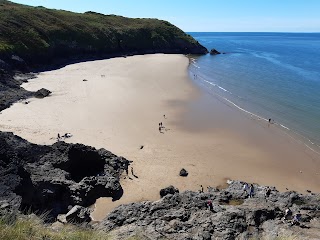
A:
272, 75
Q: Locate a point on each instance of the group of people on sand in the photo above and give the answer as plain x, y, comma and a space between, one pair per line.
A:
132, 173
161, 124
62, 137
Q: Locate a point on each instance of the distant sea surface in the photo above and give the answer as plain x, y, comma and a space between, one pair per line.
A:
271, 75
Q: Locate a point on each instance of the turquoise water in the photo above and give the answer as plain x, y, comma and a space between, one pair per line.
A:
272, 75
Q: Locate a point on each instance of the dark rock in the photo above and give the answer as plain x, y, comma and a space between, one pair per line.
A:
78, 214
18, 63
183, 172
214, 52
186, 215
50, 178
42, 93
168, 190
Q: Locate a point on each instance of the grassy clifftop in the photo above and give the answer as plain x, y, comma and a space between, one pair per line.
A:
38, 34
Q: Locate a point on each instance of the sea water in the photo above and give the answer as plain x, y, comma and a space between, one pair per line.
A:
271, 75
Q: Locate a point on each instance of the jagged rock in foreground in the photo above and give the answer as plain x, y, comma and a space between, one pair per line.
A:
55, 178
233, 215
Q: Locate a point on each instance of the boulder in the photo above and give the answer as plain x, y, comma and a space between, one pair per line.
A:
183, 172
42, 93
168, 190
214, 52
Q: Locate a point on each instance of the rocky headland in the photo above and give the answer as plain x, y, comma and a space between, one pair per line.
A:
37, 38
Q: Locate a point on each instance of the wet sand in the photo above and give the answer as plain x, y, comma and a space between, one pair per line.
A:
120, 107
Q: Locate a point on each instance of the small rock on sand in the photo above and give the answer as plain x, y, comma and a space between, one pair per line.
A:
183, 172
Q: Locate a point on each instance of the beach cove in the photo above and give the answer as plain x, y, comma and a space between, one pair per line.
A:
119, 107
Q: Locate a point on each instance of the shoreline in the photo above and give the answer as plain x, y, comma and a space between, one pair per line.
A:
292, 133
213, 145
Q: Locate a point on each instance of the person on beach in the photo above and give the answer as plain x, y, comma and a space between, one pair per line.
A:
267, 193
201, 190
296, 219
160, 129
164, 116
251, 191
288, 214
246, 189
209, 205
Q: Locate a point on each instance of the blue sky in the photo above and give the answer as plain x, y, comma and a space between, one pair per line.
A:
207, 15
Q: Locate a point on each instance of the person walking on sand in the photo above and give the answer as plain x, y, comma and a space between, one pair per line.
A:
164, 116
160, 129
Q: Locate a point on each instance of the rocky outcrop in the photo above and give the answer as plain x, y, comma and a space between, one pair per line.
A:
168, 190
214, 52
53, 178
10, 90
233, 215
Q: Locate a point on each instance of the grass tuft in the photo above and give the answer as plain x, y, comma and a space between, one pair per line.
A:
34, 228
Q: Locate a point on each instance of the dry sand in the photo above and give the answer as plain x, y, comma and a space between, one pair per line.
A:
119, 108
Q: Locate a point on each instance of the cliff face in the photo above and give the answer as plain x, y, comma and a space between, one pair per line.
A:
38, 35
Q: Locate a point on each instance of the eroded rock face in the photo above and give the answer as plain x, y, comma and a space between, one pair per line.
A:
168, 190
233, 215
51, 178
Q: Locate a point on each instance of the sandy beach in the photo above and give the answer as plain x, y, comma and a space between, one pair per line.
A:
119, 107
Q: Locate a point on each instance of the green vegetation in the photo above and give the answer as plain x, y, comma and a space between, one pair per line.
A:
32, 228
38, 34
